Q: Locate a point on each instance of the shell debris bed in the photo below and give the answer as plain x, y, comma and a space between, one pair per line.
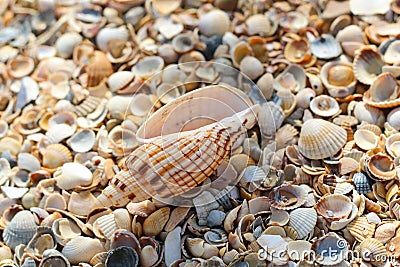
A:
191, 133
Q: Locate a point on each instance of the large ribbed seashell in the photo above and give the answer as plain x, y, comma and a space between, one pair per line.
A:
122, 257
361, 228
334, 207
359, 7
293, 78
98, 68
106, 35
303, 220
393, 118
374, 249
325, 47
66, 43
393, 145
381, 167
73, 174
207, 25
330, 249
20, 230
324, 106
367, 64
154, 224
321, 139
384, 92
338, 77
82, 249
288, 197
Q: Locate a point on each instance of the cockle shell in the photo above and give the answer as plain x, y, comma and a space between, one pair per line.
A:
393, 145
334, 207
321, 139
251, 67
98, 68
380, 167
393, 118
239, 51
207, 24
154, 224
183, 43
297, 51
385, 232
288, 197
106, 35
287, 101
366, 139
259, 24
372, 115
55, 155
66, 43
176, 217
293, 21
362, 183
374, 249
338, 77
271, 243
303, 220
384, 92
143, 209
20, 230
324, 106
65, 230
82, 141
338, 249
367, 64
119, 80
20, 66
361, 228
73, 174
326, 47
82, 249
293, 78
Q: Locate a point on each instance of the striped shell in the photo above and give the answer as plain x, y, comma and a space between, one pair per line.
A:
361, 229
381, 167
374, 249
98, 68
384, 92
20, 230
321, 139
303, 220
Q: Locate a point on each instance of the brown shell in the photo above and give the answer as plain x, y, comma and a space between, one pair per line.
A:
334, 207
288, 197
381, 167
98, 68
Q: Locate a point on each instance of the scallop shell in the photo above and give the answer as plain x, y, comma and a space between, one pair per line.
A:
82, 249
393, 118
325, 47
321, 139
385, 232
334, 207
148, 66
176, 217
361, 229
258, 24
367, 64
374, 249
293, 78
288, 197
324, 106
338, 77
20, 230
82, 141
98, 68
251, 67
154, 224
393, 145
303, 220
381, 167
362, 183
384, 92
55, 155
20, 66
297, 51
330, 249
207, 24
73, 174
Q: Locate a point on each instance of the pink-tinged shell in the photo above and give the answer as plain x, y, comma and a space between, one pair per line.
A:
324, 106
393, 145
367, 64
334, 207
338, 78
20, 66
297, 51
381, 167
384, 92
361, 228
321, 139
293, 78
288, 197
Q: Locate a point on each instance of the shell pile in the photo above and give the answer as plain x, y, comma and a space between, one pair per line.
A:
199, 133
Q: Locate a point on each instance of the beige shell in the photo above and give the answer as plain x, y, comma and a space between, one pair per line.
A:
392, 53
384, 92
324, 106
239, 52
148, 66
303, 220
166, 7
359, 7
385, 232
20, 230
143, 209
119, 80
288, 197
20, 66
65, 230
381, 167
106, 35
141, 104
66, 43
168, 92
183, 43
393, 145
288, 101
375, 249
372, 115
293, 78
334, 207
366, 139
293, 21
82, 249
361, 229
81, 203
367, 64
176, 217
393, 118
321, 139
73, 174
304, 97
297, 51
154, 224
207, 25
251, 67
98, 68
338, 77
82, 141
259, 24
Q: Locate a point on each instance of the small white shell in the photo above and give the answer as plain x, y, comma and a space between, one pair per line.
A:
148, 66
66, 43
82, 141
28, 162
393, 118
207, 25
360, 7
107, 34
82, 249
119, 80
73, 174
324, 106
141, 105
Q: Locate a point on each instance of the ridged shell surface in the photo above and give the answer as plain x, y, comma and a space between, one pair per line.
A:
20, 230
